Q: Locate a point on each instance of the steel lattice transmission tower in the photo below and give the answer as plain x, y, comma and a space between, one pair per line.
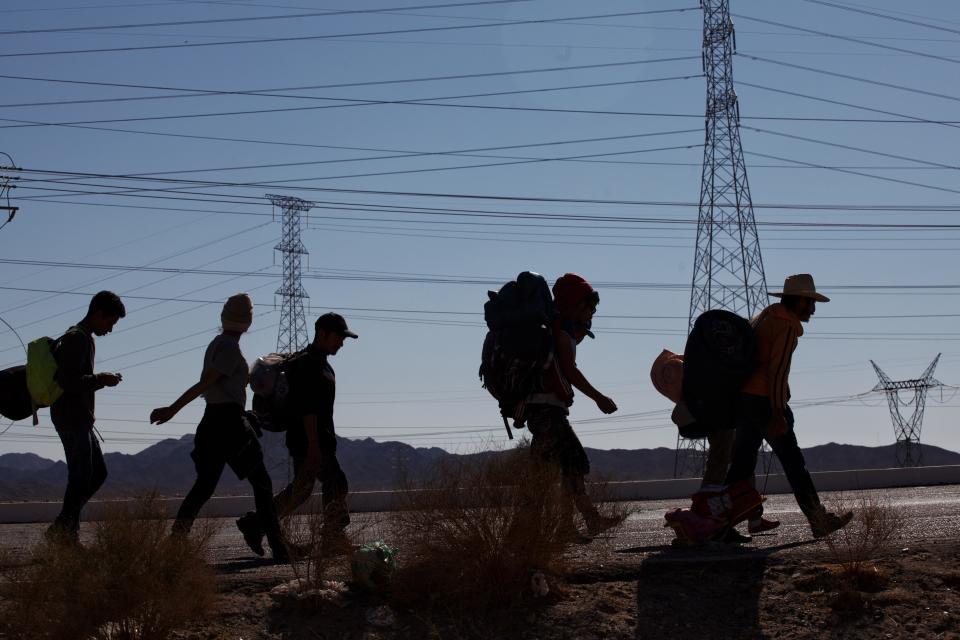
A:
907, 430
727, 267
292, 335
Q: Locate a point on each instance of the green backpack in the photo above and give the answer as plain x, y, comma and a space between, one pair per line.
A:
42, 371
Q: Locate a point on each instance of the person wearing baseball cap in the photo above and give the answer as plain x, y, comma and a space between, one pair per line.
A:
312, 440
763, 411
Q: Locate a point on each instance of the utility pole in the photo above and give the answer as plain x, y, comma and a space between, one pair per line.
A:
6, 185
727, 266
292, 335
907, 430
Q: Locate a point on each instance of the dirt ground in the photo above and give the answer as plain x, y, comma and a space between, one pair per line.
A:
633, 584
672, 594
629, 584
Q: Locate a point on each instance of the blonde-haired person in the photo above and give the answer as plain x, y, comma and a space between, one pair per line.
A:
223, 436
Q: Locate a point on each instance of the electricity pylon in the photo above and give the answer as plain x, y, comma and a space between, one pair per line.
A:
907, 430
727, 267
292, 335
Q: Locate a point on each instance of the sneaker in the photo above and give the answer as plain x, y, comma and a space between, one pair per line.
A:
762, 524
732, 536
825, 523
598, 524
250, 528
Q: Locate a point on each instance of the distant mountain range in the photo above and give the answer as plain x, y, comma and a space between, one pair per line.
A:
167, 468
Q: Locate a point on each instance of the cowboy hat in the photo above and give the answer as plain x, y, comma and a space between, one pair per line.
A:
800, 285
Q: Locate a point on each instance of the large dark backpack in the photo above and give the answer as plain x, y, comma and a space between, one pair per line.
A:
15, 402
718, 359
519, 344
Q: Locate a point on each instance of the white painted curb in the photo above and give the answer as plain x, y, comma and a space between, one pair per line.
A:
233, 506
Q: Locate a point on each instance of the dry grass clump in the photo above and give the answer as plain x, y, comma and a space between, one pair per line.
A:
303, 534
133, 582
856, 548
477, 532
875, 527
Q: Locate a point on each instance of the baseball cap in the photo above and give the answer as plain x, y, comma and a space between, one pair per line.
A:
333, 323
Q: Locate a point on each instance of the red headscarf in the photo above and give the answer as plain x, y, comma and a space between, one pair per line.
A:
569, 291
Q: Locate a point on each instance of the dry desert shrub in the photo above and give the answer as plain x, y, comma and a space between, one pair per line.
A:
875, 527
476, 533
855, 548
133, 582
303, 534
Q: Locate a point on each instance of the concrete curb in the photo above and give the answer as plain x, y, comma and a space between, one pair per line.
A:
234, 506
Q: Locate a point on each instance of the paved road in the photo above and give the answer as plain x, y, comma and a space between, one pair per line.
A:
931, 516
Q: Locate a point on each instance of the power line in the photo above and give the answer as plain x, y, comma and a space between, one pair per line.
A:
859, 173
884, 16
382, 276
862, 41
846, 104
846, 76
198, 92
354, 102
331, 36
289, 16
505, 198
412, 154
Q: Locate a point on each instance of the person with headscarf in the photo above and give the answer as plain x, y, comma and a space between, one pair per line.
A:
546, 412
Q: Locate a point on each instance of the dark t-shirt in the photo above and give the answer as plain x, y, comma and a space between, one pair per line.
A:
313, 387
75, 352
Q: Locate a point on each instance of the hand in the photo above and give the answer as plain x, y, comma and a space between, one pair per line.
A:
109, 379
606, 405
161, 415
777, 426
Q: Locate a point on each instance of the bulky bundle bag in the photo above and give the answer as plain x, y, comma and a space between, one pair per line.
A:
270, 383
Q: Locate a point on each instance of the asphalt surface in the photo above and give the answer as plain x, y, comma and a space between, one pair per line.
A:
930, 516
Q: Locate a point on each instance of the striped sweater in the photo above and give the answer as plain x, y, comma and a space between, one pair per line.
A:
777, 331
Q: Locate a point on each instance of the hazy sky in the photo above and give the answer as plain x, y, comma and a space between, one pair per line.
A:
377, 116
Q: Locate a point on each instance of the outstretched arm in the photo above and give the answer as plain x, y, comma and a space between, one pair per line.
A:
571, 372
208, 379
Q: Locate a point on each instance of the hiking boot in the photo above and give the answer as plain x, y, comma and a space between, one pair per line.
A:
597, 524
571, 534
824, 523
762, 524
335, 543
279, 554
249, 526
59, 534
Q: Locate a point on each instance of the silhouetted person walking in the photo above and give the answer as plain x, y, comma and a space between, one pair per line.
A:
73, 413
763, 410
553, 438
224, 437
311, 438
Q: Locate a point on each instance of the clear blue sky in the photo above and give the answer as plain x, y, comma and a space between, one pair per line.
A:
412, 375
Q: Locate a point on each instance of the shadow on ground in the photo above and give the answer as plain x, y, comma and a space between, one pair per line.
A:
700, 598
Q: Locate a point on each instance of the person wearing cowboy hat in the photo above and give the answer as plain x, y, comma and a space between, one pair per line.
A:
763, 411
